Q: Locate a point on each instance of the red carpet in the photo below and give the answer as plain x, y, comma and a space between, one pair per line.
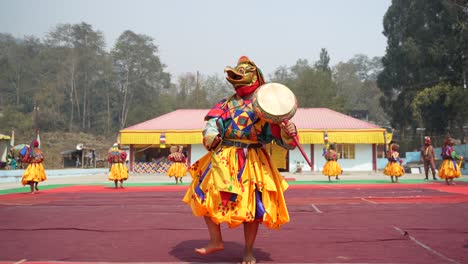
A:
329, 224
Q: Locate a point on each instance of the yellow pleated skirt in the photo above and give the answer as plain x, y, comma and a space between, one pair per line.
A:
331, 168
118, 172
34, 173
177, 169
218, 173
448, 170
394, 169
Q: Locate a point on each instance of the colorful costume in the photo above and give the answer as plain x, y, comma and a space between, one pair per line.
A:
237, 182
118, 170
35, 172
449, 168
394, 168
331, 168
178, 168
428, 158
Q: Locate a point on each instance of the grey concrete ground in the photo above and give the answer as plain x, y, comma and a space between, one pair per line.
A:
101, 178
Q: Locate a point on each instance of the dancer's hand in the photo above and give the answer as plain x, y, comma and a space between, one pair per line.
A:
216, 141
289, 128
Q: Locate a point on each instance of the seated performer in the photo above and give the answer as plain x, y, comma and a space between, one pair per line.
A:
331, 167
394, 168
236, 182
450, 169
178, 168
118, 170
34, 173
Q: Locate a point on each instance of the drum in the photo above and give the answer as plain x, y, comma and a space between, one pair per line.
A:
274, 103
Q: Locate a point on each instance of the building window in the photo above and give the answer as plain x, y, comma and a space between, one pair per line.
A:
346, 151
381, 151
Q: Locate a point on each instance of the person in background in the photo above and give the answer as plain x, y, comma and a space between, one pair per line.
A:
428, 158
450, 167
118, 170
394, 168
331, 167
34, 173
11, 161
178, 168
236, 182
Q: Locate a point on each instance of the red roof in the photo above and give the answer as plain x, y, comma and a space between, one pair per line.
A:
305, 118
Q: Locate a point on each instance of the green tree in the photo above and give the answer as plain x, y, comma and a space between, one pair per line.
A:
357, 86
17, 61
323, 64
439, 107
140, 76
426, 45
76, 54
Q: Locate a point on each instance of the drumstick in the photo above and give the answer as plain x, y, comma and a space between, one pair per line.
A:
296, 140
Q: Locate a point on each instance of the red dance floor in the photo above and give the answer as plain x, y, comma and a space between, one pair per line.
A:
372, 223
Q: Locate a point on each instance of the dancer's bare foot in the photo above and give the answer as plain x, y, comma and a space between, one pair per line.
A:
249, 259
210, 248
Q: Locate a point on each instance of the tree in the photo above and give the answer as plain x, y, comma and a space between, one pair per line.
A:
79, 50
439, 107
140, 74
426, 45
323, 63
17, 58
216, 88
357, 86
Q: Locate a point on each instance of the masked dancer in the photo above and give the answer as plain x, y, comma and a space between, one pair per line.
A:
178, 168
331, 167
236, 182
428, 158
394, 168
118, 170
450, 167
34, 173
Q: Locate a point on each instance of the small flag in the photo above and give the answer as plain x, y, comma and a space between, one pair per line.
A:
162, 140
38, 138
12, 140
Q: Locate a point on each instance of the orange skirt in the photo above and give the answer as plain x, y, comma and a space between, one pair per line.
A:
332, 168
449, 170
394, 169
118, 172
34, 173
177, 169
216, 175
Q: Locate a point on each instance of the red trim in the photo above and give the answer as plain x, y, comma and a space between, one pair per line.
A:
374, 157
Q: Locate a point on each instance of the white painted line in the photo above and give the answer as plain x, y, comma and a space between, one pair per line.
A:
21, 261
426, 247
369, 201
316, 208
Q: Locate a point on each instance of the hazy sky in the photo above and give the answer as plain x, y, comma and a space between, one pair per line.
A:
207, 35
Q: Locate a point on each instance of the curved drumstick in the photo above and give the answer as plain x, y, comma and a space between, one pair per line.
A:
296, 140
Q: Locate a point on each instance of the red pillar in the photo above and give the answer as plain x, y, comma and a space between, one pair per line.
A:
132, 158
312, 156
374, 157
